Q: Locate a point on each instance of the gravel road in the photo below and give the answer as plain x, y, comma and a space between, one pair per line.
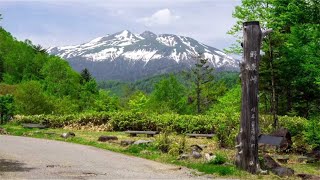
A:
30, 158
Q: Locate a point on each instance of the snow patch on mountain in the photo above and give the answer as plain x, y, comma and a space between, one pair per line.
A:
143, 55
96, 40
110, 53
167, 40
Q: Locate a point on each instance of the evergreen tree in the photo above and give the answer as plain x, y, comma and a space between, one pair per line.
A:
85, 76
39, 49
203, 79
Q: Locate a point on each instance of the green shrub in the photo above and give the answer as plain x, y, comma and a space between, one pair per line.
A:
218, 160
224, 125
6, 108
163, 141
30, 99
295, 125
178, 145
54, 121
226, 128
312, 132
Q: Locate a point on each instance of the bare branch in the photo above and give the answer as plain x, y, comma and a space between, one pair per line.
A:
266, 32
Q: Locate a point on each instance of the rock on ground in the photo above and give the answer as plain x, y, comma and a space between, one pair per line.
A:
107, 138
67, 135
196, 155
283, 171
126, 142
143, 142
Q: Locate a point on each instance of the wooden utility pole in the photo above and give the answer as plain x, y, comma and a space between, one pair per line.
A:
247, 139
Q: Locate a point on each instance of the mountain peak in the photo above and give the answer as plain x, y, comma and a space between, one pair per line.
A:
124, 33
128, 56
148, 34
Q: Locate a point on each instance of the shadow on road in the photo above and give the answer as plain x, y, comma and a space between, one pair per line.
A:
7, 165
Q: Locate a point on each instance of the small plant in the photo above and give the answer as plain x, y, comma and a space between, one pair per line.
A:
178, 145
163, 141
182, 144
218, 160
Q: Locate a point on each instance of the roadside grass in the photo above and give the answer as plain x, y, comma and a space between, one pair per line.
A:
228, 170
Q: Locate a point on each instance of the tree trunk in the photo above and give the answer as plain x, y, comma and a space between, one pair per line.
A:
273, 104
247, 140
289, 100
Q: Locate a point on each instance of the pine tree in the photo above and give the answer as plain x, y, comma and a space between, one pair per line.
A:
203, 78
85, 76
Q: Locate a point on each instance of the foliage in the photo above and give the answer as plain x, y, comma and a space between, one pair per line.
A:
227, 114
7, 89
169, 142
59, 79
178, 146
288, 67
85, 76
88, 95
312, 132
295, 125
218, 160
224, 126
169, 92
1, 68
164, 141
229, 103
30, 99
106, 102
202, 77
63, 105
147, 85
6, 108
43, 84
138, 102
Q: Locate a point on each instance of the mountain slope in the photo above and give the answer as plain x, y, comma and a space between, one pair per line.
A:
128, 56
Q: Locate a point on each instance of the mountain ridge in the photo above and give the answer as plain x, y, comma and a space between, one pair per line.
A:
128, 56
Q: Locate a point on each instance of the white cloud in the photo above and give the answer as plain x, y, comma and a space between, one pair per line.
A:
159, 18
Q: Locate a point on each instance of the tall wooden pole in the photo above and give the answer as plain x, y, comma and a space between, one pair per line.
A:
247, 139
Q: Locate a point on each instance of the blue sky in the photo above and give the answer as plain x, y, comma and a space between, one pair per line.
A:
68, 22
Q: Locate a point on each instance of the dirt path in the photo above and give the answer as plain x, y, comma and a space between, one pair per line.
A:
30, 158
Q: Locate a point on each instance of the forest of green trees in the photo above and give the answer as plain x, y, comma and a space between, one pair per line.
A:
32, 82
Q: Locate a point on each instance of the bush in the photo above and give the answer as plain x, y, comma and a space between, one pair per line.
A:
6, 108
97, 118
295, 125
312, 132
30, 99
163, 141
227, 128
181, 145
218, 160
224, 125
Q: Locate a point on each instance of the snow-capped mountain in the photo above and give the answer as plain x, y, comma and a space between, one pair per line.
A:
128, 56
